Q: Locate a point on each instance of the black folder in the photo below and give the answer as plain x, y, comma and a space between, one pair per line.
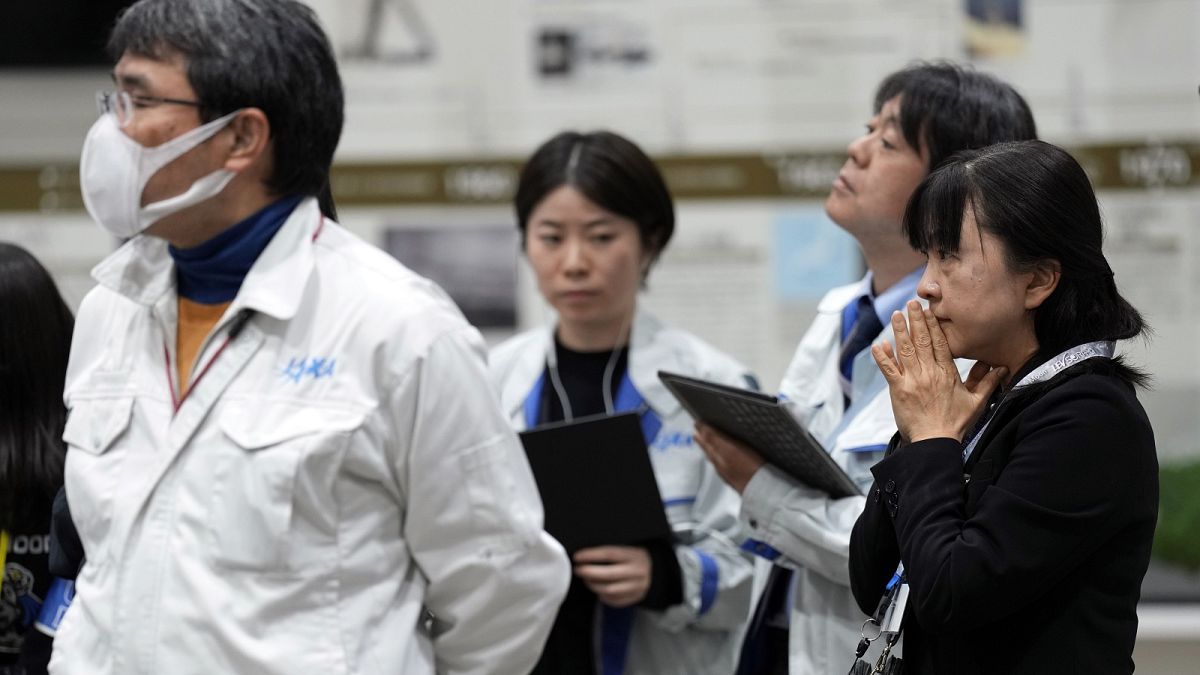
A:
596, 481
763, 423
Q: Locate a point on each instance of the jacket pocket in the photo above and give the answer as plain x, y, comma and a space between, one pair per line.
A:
253, 514
94, 424
94, 468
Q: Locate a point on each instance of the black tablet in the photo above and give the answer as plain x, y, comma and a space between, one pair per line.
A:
763, 423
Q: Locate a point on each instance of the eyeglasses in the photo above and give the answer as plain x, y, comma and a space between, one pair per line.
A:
123, 104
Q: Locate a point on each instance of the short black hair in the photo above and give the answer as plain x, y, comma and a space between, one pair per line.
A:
608, 169
945, 107
1036, 199
35, 341
265, 54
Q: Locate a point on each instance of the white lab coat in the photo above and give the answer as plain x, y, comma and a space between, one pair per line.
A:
340, 474
700, 635
810, 531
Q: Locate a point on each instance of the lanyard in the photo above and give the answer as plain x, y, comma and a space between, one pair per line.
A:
888, 622
1078, 354
889, 615
235, 327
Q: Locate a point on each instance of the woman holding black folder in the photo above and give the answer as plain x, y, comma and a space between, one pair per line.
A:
1022, 503
594, 215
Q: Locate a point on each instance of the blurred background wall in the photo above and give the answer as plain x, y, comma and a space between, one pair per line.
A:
748, 105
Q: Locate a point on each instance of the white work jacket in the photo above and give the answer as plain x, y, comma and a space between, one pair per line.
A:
802, 528
338, 493
809, 531
702, 634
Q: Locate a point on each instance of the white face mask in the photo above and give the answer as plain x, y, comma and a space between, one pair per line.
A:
114, 170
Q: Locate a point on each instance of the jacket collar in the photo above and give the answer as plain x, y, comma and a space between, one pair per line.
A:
139, 270
276, 282
890, 299
649, 351
836, 299
143, 271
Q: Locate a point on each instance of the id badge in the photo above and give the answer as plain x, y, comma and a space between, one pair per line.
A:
895, 613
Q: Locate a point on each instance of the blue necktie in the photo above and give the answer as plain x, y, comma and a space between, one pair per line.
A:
866, 328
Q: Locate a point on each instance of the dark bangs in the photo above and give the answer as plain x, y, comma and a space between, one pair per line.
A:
934, 215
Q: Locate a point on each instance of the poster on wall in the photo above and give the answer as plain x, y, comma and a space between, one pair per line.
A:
476, 266
713, 280
581, 51
812, 255
766, 71
389, 31
406, 67
994, 28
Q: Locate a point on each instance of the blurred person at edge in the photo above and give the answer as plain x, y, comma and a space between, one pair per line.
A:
35, 340
594, 215
283, 454
806, 621
1023, 501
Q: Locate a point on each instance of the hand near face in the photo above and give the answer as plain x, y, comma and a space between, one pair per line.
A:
618, 575
735, 462
928, 398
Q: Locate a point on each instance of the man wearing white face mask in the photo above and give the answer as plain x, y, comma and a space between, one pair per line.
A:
284, 457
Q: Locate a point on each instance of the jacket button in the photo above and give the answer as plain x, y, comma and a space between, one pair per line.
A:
890, 487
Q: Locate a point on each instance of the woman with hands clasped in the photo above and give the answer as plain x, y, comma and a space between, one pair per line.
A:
929, 398
1021, 502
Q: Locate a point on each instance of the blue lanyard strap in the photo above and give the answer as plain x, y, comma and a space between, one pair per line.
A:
889, 594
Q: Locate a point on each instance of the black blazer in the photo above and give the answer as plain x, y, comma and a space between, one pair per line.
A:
1029, 559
